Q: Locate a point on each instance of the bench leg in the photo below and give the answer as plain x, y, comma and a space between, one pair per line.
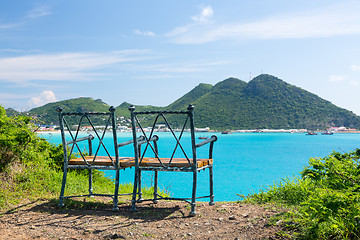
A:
140, 199
155, 186
61, 198
90, 182
135, 189
211, 203
116, 193
193, 199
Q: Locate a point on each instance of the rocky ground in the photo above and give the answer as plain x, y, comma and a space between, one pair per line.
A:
42, 219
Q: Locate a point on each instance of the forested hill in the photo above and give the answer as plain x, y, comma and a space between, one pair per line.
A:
47, 114
264, 102
267, 102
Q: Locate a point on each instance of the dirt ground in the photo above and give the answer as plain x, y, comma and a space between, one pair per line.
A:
42, 219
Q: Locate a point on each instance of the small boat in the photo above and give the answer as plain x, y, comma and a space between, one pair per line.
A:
225, 132
327, 133
311, 133
203, 137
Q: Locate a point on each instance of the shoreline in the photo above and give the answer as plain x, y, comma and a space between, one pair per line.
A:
233, 131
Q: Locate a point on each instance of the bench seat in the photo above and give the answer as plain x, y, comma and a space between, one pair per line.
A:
176, 162
126, 162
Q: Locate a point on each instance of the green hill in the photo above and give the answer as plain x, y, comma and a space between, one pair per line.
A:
190, 97
267, 102
10, 112
264, 102
123, 109
47, 114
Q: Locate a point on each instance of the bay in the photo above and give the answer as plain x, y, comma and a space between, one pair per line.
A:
243, 162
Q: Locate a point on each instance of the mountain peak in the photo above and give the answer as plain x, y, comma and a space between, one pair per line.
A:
266, 84
265, 102
230, 84
190, 97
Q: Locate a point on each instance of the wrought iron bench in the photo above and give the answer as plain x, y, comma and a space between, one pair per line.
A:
77, 157
183, 157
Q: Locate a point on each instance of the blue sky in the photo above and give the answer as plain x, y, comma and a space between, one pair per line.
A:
153, 52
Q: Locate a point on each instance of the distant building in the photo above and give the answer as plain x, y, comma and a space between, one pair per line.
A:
207, 129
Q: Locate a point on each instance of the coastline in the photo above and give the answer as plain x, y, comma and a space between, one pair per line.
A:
237, 131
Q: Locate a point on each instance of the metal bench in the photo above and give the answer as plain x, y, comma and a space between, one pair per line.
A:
183, 158
77, 156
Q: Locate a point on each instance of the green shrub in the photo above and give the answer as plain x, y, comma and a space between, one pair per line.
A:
325, 201
31, 167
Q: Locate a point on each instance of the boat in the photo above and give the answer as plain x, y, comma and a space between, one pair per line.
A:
311, 133
225, 132
327, 133
203, 137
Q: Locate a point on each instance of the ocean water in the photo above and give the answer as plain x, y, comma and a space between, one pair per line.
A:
243, 162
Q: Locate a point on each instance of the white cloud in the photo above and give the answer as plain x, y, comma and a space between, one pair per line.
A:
336, 78
8, 96
63, 66
205, 15
39, 11
340, 78
353, 83
179, 67
355, 67
10, 50
44, 98
144, 33
9, 25
314, 24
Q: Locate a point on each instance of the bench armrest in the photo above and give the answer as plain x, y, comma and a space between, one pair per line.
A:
130, 141
213, 138
88, 137
140, 140
153, 138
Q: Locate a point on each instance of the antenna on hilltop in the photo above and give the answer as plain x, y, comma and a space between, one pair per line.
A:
250, 77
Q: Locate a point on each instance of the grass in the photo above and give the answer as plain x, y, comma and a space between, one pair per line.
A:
323, 204
31, 167
26, 183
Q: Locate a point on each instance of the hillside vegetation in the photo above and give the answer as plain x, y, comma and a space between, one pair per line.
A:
324, 202
264, 102
31, 167
267, 102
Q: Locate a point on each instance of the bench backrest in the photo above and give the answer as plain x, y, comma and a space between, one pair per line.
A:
182, 123
73, 123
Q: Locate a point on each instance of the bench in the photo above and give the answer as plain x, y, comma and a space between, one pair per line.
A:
182, 158
99, 156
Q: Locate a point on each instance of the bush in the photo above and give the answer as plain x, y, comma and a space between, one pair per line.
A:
325, 201
15, 136
31, 167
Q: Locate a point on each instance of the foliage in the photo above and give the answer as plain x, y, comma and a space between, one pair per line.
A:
31, 167
15, 137
28, 164
264, 102
47, 114
267, 102
326, 198
11, 112
191, 97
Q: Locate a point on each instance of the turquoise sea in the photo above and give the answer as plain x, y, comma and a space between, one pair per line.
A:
243, 162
